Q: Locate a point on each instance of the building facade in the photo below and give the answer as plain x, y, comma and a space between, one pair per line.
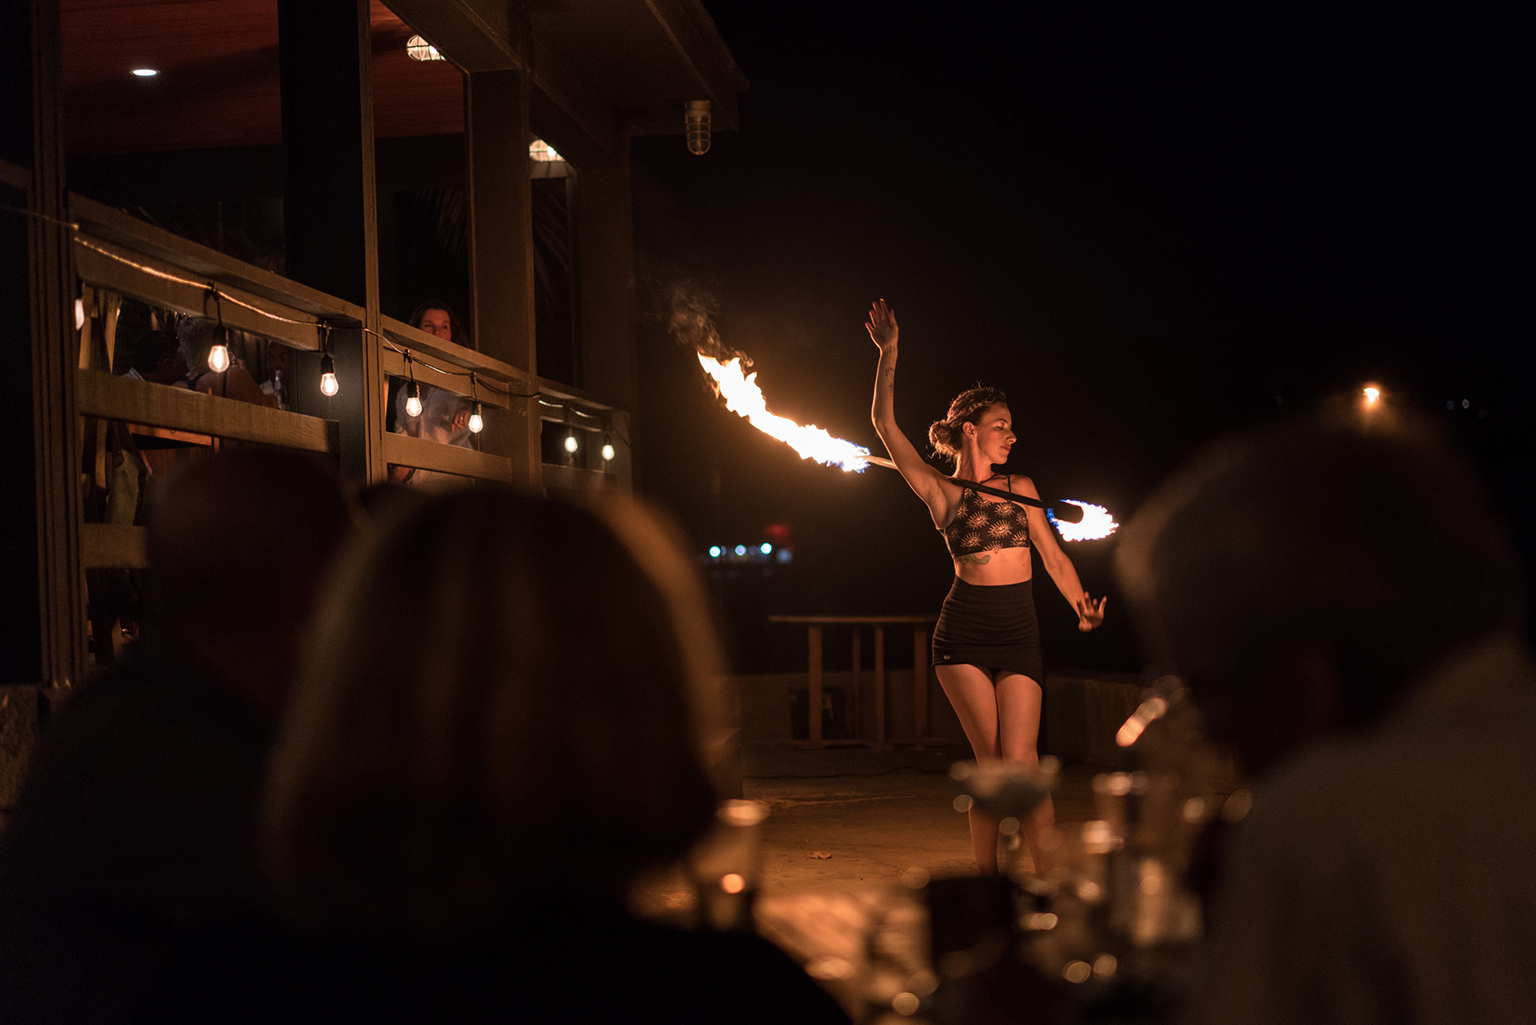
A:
301, 174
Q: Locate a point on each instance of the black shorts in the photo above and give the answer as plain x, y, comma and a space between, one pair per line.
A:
992, 627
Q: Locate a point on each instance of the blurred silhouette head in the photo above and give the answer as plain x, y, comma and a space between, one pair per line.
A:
239, 544
1306, 577
505, 696
158, 358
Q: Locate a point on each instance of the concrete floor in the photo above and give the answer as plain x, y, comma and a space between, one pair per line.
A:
851, 833
857, 822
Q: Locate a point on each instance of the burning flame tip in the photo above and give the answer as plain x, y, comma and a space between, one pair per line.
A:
1097, 523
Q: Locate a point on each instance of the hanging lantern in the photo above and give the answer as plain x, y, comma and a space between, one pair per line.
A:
419, 49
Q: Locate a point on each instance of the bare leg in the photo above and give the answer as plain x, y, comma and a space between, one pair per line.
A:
1018, 717
970, 691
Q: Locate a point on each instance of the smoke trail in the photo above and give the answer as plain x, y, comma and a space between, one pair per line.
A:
692, 322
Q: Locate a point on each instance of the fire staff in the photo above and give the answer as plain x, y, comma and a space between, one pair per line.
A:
986, 646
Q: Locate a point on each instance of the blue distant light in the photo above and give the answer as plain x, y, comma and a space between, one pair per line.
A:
714, 551
765, 548
741, 549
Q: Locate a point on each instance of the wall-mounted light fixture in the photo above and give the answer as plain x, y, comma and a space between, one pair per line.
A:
696, 124
419, 49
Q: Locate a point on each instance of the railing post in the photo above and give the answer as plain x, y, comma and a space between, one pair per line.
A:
851, 699
880, 685
813, 699
920, 679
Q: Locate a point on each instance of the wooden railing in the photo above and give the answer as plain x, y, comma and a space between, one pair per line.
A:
118, 255
814, 626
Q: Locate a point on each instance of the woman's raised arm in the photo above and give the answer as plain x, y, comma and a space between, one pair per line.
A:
922, 478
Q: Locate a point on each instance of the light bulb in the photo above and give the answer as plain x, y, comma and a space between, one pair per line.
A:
328, 385
608, 452
79, 314
218, 358
476, 421
570, 443
413, 400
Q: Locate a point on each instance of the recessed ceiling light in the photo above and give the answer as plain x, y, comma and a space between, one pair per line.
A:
146, 72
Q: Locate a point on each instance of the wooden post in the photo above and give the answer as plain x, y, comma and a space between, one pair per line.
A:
330, 203
42, 638
606, 286
501, 251
880, 685
813, 698
920, 680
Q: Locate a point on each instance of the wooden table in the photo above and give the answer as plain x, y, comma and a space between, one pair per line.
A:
814, 625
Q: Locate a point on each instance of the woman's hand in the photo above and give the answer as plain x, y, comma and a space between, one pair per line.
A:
1090, 613
882, 325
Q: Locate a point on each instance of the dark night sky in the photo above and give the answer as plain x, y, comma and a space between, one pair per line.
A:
1147, 227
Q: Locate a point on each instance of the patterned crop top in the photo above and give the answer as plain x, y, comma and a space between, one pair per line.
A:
980, 525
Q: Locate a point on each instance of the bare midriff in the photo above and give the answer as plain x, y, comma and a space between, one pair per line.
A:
995, 566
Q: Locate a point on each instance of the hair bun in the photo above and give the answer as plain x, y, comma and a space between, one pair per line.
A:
941, 435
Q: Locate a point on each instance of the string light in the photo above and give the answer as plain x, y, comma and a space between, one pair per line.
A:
608, 452
328, 385
413, 394
214, 292
476, 421
570, 442
218, 355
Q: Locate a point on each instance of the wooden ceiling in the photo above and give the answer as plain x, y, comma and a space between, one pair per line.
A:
218, 77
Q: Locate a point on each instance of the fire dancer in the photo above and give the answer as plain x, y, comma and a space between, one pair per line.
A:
986, 646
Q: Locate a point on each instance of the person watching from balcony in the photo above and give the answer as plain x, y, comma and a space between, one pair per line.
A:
444, 416
279, 381
510, 711
198, 336
1345, 606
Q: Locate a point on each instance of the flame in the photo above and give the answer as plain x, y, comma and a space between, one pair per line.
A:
744, 398
1096, 523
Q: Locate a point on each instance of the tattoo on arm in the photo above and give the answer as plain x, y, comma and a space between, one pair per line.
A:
977, 558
